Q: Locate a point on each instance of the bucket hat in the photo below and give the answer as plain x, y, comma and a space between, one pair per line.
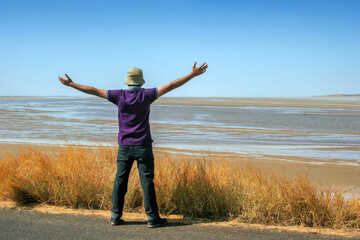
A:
134, 77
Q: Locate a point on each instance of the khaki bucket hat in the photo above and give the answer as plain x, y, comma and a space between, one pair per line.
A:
134, 77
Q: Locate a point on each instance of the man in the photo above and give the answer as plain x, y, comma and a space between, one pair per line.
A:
134, 139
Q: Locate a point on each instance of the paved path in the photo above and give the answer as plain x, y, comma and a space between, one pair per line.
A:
15, 224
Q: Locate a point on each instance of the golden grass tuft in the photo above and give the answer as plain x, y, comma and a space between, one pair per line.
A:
194, 187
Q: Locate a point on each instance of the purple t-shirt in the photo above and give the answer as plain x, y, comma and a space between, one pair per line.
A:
133, 114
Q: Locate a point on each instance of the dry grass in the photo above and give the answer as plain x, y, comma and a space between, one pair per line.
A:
83, 177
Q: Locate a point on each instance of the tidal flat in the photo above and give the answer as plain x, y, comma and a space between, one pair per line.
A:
318, 136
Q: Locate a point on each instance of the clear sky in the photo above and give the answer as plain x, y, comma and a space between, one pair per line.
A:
253, 48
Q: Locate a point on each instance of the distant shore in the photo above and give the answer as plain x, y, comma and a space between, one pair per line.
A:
303, 102
340, 95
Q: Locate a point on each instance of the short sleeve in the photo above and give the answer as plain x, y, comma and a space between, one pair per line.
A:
151, 94
113, 96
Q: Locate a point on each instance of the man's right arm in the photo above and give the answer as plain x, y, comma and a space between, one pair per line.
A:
181, 81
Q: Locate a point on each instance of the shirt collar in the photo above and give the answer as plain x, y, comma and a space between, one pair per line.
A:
133, 88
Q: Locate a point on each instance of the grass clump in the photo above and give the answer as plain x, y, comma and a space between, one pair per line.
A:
74, 176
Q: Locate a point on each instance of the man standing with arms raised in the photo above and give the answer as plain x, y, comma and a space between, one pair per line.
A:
134, 139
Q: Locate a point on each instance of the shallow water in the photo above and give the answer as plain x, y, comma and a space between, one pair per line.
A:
324, 133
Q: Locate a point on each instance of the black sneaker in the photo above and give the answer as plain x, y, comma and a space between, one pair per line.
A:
161, 222
117, 222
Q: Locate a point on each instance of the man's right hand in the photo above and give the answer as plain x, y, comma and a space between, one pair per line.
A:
66, 81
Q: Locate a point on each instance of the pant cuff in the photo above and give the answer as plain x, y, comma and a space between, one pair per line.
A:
153, 217
115, 216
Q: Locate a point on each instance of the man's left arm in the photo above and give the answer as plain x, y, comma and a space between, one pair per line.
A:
83, 88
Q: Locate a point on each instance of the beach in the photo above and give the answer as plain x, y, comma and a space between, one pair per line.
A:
318, 137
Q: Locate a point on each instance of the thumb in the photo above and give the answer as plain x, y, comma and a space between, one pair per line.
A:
194, 65
68, 77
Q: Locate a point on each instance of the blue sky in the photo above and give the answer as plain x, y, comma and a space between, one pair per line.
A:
253, 48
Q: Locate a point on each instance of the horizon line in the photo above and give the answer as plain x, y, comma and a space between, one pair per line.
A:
87, 96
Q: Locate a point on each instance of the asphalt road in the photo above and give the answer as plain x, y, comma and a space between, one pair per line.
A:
16, 224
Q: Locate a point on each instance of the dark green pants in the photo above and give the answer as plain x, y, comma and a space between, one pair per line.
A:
145, 162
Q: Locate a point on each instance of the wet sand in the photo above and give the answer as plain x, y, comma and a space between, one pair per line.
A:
328, 174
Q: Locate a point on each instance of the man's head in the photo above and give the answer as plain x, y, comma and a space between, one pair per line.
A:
134, 77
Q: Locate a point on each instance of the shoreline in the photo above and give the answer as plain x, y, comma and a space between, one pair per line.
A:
345, 178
